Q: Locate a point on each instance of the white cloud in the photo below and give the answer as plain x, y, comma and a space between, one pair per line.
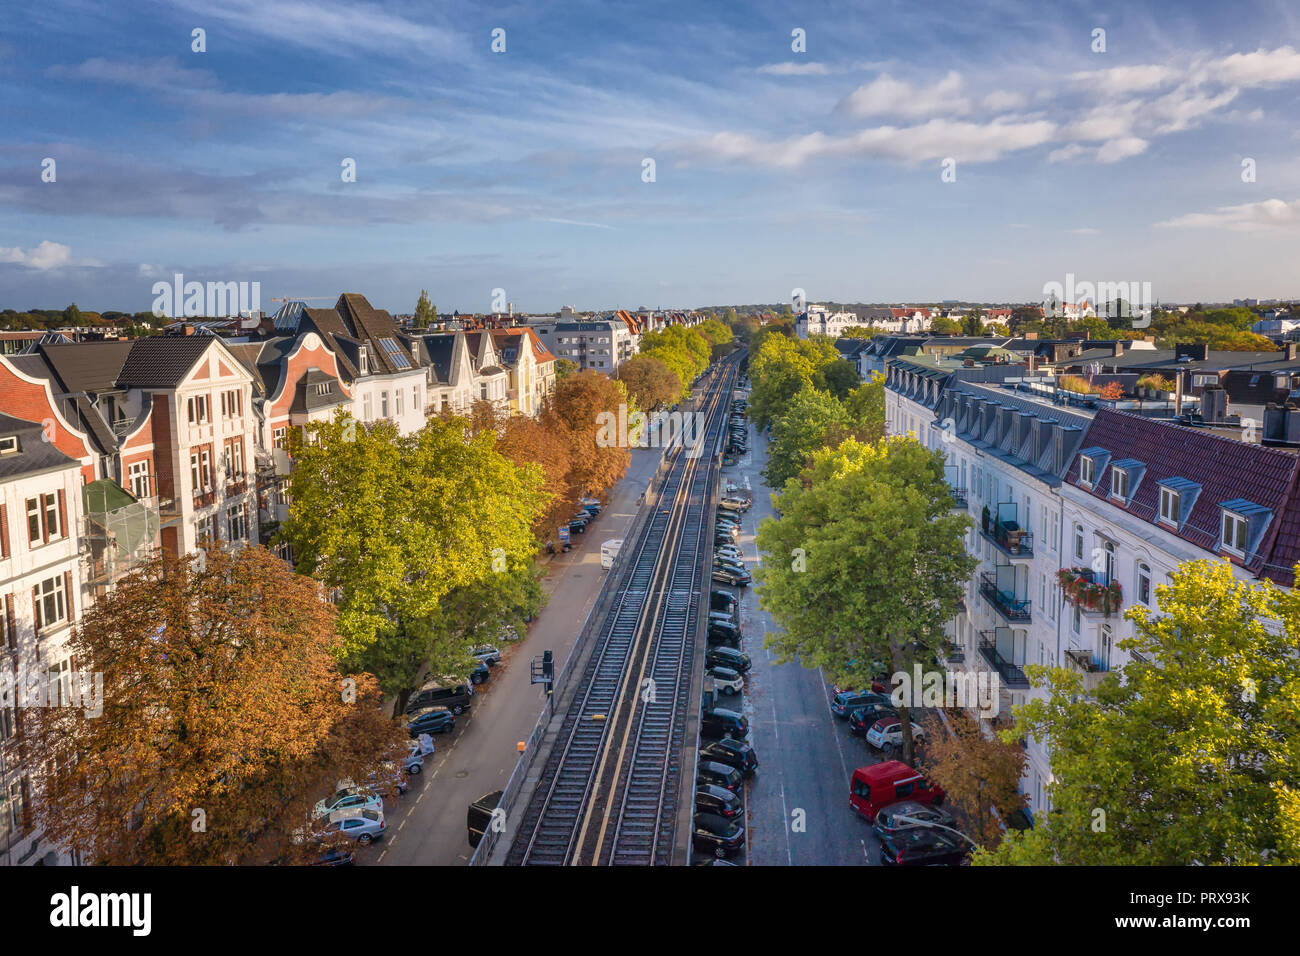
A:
1067, 153
1269, 214
795, 69
1112, 151
1261, 68
47, 255
1182, 108
1119, 80
1001, 100
886, 96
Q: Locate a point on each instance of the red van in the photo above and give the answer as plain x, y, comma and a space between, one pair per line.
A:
881, 784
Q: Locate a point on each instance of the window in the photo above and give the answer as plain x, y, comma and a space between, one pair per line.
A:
60, 684
1078, 542
235, 452
1234, 532
1170, 505
232, 404
52, 527
16, 818
483, 391
415, 398
399, 408
139, 475
237, 523
201, 470
366, 408
44, 514
198, 410
1074, 620
365, 362
1119, 483
1086, 470
1144, 583
205, 529
34, 535
280, 438
9, 445
383, 404
51, 602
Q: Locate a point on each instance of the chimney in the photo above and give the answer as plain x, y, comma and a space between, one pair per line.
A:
1291, 351
1031, 336
1214, 404
1149, 338
1117, 349
187, 329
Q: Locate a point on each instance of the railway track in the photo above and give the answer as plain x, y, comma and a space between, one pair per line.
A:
608, 791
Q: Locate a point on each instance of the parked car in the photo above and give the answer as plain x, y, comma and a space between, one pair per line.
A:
719, 775
479, 816
488, 654
577, 525
861, 719
722, 600
388, 780
720, 722
414, 762
886, 823
334, 856
724, 634
711, 799
726, 681
454, 697
479, 673
727, 657
362, 825
921, 847
738, 754
888, 732
846, 700
347, 798
728, 551
876, 786
740, 505
724, 617
724, 575
430, 720
717, 835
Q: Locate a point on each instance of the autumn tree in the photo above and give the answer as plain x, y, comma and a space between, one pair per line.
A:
977, 770
866, 563
578, 403
564, 368
224, 716
650, 382
1192, 753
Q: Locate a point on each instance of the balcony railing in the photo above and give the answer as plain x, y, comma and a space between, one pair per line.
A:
1010, 538
237, 487
1004, 602
204, 499
1092, 592
959, 497
1093, 669
1010, 673
953, 652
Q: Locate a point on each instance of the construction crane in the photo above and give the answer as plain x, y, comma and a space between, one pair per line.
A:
302, 298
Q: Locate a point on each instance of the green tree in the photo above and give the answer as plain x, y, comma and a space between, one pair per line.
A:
865, 406
972, 323
780, 367
997, 328
1194, 756
866, 563
425, 312
841, 377
803, 428
564, 368
945, 326
72, 315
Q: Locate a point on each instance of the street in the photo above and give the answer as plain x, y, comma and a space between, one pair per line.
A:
797, 803
426, 827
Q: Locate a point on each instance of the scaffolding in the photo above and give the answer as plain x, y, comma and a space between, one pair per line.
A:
118, 532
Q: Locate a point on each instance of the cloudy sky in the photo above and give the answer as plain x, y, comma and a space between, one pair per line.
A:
525, 170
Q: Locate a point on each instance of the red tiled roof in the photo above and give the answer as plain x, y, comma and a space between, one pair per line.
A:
1224, 468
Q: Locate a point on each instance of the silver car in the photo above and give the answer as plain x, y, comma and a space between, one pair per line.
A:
364, 826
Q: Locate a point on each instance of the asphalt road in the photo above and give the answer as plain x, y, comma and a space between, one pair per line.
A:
426, 827
797, 803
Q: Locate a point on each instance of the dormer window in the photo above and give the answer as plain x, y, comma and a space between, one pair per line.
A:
364, 363
1171, 506
1235, 529
1087, 470
9, 445
1119, 484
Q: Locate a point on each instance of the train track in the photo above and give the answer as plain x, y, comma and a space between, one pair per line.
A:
608, 791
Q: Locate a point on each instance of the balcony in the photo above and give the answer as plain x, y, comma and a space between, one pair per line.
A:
237, 487
1003, 600
1009, 538
1082, 661
953, 652
204, 499
1092, 592
959, 499
1010, 673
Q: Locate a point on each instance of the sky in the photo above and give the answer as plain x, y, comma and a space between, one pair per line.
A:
619, 155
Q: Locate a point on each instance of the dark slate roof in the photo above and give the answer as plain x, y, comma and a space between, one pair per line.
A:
34, 454
305, 398
162, 361
1225, 470
439, 348
87, 366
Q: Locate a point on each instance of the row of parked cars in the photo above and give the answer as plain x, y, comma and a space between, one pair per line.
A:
901, 804
728, 560
588, 510
737, 432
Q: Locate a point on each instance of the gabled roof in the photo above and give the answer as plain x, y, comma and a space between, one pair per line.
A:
162, 361
1223, 469
87, 366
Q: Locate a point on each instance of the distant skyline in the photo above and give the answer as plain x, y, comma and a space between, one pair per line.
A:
1169, 158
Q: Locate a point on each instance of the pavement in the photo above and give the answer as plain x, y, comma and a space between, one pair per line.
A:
426, 827
797, 811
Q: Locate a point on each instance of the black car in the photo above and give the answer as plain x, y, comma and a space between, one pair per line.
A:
861, 718
335, 856
718, 775
717, 835
481, 672
887, 822
451, 696
711, 799
577, 526
846, 700
737, 754
479, 815
724, 634
720, 722
727, 657
430, 720
731, 576
722, 601
922, 847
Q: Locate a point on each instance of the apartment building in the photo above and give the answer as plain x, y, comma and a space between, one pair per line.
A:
530, 368
598, 344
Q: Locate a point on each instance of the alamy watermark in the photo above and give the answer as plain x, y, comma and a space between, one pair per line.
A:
626, 429
24, 689
970, 690
1059, 297
211, 300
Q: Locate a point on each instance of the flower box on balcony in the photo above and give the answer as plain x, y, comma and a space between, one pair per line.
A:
1083, 589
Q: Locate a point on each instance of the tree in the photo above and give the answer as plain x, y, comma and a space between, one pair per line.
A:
801, 429
945, 326
650, 382
1192, 754
841, 377
865, 406
998, 328
579, 403
780, 367
72, 315
224, 716
392, 524
426, 314
866, 563
972, 323
564, 368
977, 770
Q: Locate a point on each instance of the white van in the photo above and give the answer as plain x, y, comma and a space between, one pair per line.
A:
609, 551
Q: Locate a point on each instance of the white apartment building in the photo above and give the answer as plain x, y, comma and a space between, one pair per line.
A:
818, 320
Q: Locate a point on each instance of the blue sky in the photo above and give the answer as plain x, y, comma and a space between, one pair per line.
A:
522, 170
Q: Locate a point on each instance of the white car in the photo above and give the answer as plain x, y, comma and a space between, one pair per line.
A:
889, 733
350, 798
729, 551
726, 680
